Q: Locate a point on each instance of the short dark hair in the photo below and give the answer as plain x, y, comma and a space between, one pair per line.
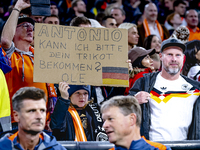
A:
99, 17
79, 20
50, 16
32, 93
105, 18
127, 105
177, 2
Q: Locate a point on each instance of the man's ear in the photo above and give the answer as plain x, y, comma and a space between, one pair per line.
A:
133, 119
16, 115
124, 17
75, 8
160, 54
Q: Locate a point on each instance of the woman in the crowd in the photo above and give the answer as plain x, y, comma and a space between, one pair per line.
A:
74, 117
133, 36
191, 66
156, 61
152, 41
173, 21
140, 58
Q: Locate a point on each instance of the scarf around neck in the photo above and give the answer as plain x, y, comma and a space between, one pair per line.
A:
147, 30
79, 131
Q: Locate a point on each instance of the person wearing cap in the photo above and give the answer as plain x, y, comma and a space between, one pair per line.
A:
74, 117
54, 8
140, 59
170, 102
17, 35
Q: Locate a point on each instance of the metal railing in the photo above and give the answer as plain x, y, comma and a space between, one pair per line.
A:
93, 145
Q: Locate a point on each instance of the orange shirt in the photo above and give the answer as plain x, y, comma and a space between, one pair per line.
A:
15, 78
194, 35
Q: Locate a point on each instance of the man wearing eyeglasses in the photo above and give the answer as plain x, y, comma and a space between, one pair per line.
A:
17, 35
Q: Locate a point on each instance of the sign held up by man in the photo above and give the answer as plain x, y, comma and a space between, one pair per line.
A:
95, 56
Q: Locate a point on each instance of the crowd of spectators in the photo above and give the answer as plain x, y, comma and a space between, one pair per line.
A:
161, 33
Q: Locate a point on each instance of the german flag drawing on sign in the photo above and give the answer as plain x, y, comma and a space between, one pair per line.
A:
115, 75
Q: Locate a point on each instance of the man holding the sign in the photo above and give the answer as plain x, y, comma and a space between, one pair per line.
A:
74, 117
17, 35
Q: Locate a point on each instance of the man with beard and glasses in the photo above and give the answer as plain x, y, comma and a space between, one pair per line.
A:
29, 110
170, 102
16, 40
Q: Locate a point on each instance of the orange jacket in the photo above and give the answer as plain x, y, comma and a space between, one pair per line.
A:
194, 35
22, 75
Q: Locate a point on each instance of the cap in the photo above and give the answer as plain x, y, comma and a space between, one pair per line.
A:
172, 42
24, 18
74, 88
136, 52
54, 3
181, 33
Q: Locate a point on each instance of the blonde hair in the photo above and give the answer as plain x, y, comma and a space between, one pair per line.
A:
127, 105
127, 25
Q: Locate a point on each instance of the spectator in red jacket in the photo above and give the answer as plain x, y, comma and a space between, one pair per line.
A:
140, 58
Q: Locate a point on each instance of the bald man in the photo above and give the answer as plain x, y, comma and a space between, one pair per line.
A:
150, 25
192, 23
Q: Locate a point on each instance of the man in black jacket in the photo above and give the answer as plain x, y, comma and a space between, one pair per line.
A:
170, 101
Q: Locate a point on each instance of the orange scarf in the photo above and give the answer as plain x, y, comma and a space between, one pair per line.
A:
147, 30
16, 134
79, 131
69, 3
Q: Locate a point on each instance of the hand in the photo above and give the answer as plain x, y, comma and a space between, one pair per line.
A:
63, 87
136, 4
22, 4
142, 97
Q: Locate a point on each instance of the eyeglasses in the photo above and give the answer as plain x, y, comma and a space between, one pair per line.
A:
26, 25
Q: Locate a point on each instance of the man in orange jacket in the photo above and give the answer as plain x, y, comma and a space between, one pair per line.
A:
17, 35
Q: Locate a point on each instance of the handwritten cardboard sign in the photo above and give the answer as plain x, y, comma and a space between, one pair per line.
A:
80, 56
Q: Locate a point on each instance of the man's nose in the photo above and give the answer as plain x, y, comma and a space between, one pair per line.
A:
105, 124
174, 58
38, 114
30, 28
